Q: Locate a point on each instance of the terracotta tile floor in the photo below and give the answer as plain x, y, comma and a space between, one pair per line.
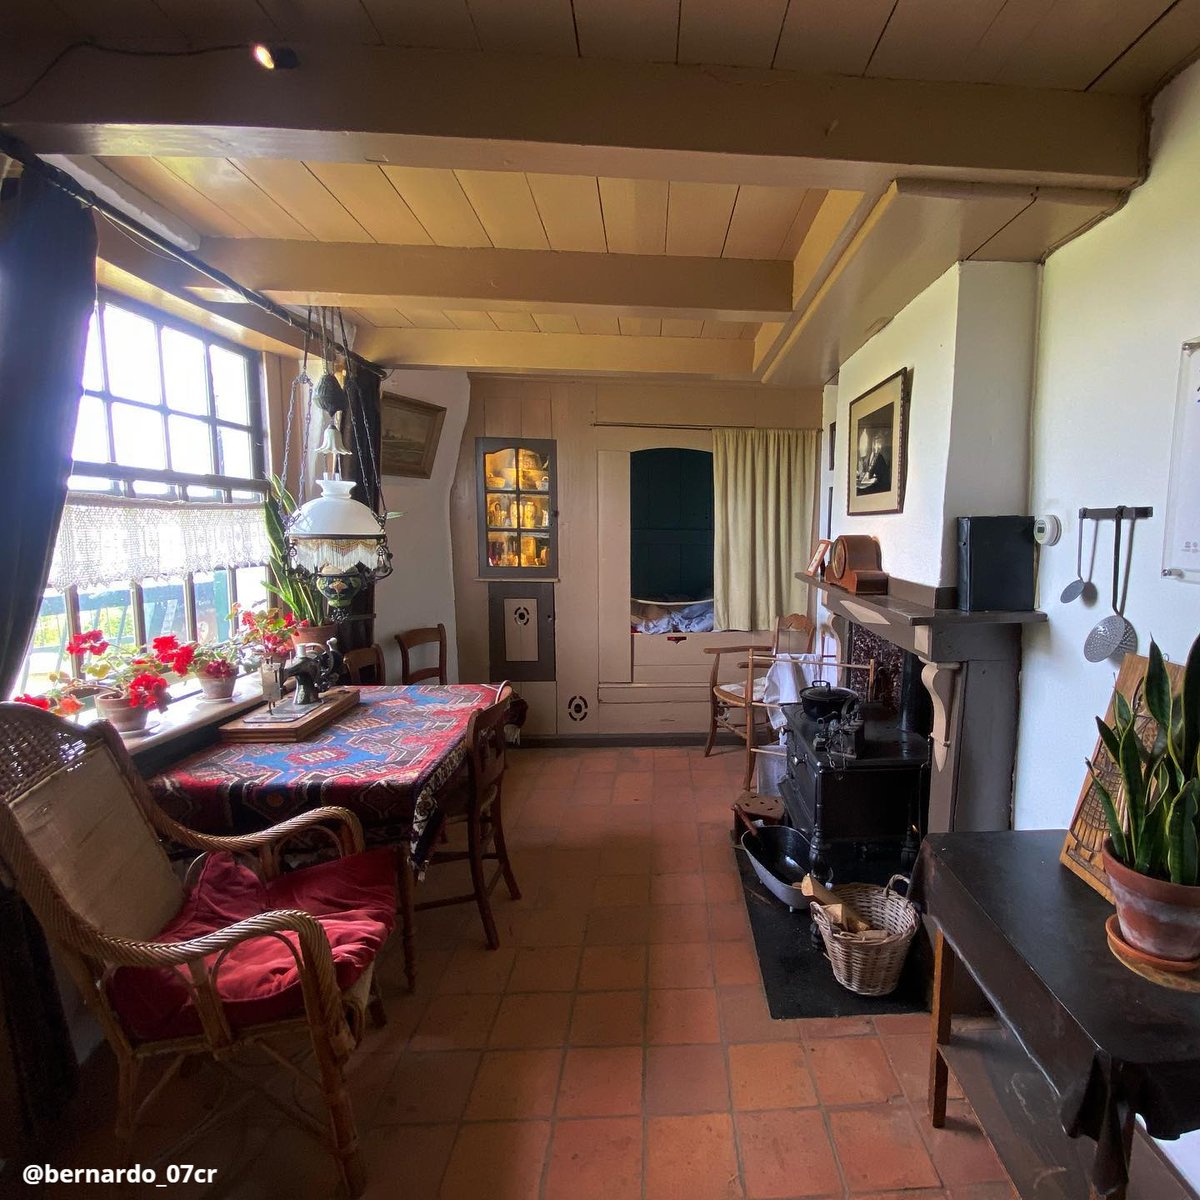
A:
618, 1046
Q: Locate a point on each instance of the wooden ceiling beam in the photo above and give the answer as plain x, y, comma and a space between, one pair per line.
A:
369, 275
573, 353
132, 268
577, 116
914, 233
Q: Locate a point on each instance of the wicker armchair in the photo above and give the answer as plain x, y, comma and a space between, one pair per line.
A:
83, 840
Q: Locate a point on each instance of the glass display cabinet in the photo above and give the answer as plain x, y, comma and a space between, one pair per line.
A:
518, 510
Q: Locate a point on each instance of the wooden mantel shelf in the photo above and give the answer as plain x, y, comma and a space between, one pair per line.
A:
895, 611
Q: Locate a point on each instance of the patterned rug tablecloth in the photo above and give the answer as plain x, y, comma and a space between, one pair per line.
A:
385, 760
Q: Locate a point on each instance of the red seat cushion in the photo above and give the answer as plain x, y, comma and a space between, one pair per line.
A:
354, 899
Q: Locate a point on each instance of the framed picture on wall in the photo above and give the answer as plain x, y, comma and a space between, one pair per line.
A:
876, 447
409, 433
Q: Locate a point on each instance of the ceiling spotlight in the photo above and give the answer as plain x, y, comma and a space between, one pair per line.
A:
274, 58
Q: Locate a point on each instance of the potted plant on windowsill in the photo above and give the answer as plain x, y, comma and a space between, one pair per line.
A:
215, 665
267, 633
126, 682
1152, 855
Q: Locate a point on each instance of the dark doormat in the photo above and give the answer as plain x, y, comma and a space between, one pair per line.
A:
797, 977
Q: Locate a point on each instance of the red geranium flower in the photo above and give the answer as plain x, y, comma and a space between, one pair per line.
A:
166, 644
146, 691
91, 642
181, 659
34, 701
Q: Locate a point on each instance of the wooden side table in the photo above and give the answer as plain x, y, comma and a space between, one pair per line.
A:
1084, 1044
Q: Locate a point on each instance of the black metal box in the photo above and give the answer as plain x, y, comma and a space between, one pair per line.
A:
995, 564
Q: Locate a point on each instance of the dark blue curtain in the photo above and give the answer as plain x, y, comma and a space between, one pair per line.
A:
47, 293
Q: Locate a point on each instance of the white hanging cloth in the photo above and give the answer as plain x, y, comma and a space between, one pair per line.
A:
109, 539
787, 677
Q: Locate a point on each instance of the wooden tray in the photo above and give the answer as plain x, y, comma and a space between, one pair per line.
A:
336, 703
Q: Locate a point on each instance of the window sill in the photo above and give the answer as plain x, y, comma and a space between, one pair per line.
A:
192, 714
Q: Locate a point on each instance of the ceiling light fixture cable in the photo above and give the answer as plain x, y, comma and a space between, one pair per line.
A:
92, 44
15, 148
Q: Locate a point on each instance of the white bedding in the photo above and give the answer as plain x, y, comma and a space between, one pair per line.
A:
677, 616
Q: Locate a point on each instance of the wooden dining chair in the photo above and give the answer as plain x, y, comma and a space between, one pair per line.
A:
794, 634
477, 803
409, 641
365, 667
228, 966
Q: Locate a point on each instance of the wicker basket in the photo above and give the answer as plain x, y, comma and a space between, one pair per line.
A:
870, 968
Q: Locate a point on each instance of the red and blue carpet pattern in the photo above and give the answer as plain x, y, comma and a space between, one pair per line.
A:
385, 760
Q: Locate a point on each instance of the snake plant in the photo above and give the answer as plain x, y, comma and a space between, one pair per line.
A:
1153, 822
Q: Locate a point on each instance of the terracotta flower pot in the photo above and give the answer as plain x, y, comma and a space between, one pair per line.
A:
1156, 916
120, 714
316, 635
217, 687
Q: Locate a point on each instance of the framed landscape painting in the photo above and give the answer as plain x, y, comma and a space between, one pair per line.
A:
877, 449
409, 433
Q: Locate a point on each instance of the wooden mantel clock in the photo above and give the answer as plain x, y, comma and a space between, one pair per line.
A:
854, 564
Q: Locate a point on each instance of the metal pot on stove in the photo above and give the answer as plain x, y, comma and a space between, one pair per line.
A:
821, 701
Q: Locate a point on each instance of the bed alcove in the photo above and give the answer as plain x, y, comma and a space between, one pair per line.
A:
671, 540
657, 681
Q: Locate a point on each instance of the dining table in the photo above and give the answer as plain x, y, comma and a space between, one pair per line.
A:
385, 759
389, 759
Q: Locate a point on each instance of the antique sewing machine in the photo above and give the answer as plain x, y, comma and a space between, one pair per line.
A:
315, 669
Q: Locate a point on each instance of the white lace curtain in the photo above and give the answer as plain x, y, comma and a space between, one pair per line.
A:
105, 539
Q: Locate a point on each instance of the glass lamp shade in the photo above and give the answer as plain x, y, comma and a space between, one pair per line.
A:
334, 537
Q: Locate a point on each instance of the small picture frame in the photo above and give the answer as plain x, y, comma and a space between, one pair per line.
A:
876, 448
409, 431
816, 564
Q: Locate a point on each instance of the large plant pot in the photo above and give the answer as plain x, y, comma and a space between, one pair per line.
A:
120, 714
1156, 916
313, 635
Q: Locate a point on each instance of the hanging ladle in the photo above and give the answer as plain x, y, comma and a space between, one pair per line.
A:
1074, 589
1113, 633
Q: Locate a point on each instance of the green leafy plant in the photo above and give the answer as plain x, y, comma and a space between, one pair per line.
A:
1156, 830
216, 660
300, 596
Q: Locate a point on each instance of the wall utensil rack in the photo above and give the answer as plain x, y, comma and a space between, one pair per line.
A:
1123, 512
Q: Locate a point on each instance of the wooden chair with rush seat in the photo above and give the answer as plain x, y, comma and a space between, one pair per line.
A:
232, 966
477, 804
409, 641
794, 634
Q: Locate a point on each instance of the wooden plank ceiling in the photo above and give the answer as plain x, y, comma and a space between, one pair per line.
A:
510, 210
727, 242
1125, 46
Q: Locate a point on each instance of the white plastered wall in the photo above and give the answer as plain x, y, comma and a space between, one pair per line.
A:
420, 590
1117, 304
968, 340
